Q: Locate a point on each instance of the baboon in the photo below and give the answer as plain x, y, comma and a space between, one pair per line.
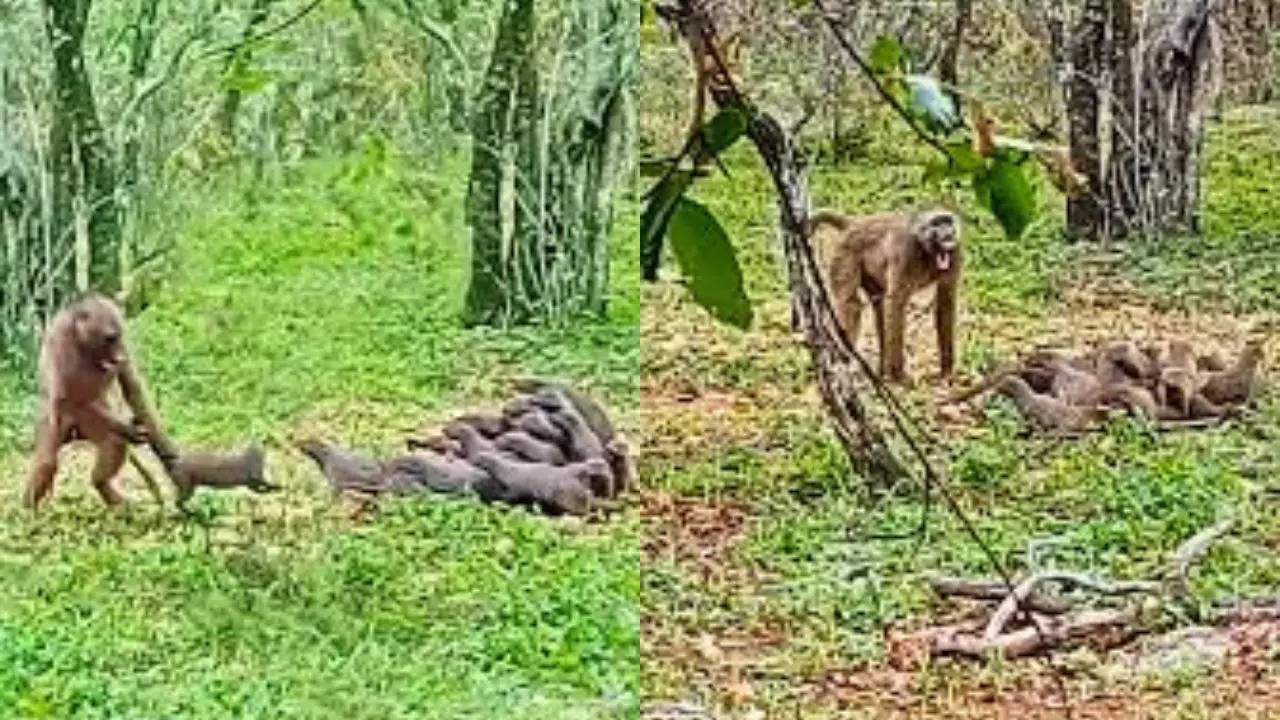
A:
566, 488
1239, 383
82, 355
891, 257
1048, 413
526, 447
472, 440
191, 470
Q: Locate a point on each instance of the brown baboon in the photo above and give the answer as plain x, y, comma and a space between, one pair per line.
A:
82, 355
566, 488
191, 470
1047, 413
891, 257
1239, 383
526, 447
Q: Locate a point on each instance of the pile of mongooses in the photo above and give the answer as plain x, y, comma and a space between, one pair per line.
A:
552, 447
1057, 391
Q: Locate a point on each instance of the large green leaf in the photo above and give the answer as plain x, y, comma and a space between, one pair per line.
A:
931, 103
653, 221
885, 55
961, 161
1005, 190
723, 130
708, 260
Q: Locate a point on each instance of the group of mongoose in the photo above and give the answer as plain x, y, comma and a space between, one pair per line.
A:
1168, 381
552, 447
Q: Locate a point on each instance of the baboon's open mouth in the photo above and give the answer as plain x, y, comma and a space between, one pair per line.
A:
943, 259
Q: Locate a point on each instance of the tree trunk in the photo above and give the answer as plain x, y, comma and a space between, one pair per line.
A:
1122, 190
486, 296
951, 56
567, 130
532, 240
1084, 212
1181, 71
79, 157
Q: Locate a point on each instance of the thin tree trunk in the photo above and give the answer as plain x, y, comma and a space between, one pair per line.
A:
1084, 212
486, 301
951, 56
79, 157
1122, 187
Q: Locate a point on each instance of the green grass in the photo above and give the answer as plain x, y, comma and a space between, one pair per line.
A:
811, 561
329, 305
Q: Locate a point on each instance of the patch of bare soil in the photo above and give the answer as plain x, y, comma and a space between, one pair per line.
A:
696, 534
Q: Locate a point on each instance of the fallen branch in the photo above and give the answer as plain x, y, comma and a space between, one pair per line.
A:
996, 590
1005, 612
1050, 620
1045, 634
1191, 551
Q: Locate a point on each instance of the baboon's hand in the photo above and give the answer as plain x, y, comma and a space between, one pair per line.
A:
135, 431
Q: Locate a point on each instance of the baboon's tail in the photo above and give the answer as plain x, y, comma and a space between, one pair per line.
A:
826, 217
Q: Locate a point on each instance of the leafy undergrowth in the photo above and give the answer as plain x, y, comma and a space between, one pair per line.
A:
768, 568
328, 305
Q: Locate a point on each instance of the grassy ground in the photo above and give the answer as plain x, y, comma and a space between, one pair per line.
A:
764, 587
325, 306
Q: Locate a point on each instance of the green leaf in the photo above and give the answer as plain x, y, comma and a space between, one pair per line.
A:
930, 102
965, 158
1005, 190
707, 258
723, 130
653, 221
961, 161
885, 55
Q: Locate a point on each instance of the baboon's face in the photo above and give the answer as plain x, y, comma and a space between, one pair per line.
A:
99, 332
938, 232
